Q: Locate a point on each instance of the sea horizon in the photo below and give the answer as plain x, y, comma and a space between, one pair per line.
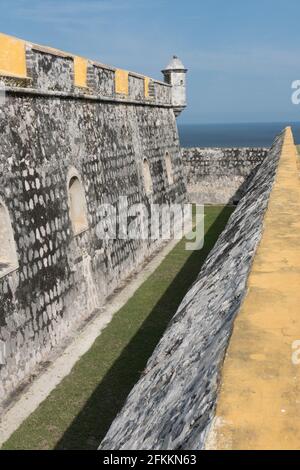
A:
252, 134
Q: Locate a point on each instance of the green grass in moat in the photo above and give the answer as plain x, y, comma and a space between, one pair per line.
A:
79, 411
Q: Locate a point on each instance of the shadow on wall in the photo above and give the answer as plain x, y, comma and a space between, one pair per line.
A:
92, 423
240, 193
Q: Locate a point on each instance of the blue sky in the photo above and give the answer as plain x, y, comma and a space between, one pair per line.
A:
242, 55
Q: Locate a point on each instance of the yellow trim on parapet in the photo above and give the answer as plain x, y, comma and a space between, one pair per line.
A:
80, 71
259, 399
121, 81
12, 57
146, 86
13, 63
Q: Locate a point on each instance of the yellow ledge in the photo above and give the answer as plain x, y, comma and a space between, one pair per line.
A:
80, 71
146, 86
12, 57
259, 400
121, 81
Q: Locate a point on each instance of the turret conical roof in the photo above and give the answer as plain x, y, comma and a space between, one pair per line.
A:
175, 64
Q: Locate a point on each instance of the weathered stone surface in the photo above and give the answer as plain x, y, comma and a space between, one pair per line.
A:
101, 80
162, 93
62, 277
173, 403
136, 87
219, 175
49, 72
175, 75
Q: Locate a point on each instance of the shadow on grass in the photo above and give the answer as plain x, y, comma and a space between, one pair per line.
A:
92, 423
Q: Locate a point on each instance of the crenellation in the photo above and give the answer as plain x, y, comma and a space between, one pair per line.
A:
162, 92
136, 87
101, 80
50, 72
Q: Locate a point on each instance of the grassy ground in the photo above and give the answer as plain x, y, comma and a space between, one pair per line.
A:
78, 413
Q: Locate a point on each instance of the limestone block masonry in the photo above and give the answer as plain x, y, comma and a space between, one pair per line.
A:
173, 403
220, 175
66, 117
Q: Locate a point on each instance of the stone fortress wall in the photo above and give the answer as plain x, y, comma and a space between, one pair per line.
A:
220, 175
74, 134
173, 404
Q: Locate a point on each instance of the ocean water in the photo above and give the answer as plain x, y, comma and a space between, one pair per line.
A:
233, 135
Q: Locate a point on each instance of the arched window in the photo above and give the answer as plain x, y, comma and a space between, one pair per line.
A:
169, 168
147, 177
8, 252
77, 203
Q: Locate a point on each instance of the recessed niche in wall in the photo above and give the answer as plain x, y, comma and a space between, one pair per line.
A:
169, 168
147, 177
8, 252
77, 203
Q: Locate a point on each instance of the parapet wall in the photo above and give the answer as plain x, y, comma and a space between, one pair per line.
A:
66, 119
258, 401
45, 70
173, 403
219, 175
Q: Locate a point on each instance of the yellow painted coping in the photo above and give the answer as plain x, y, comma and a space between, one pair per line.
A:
12, 57
259, 400
80, 71
121, 81
146, 86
